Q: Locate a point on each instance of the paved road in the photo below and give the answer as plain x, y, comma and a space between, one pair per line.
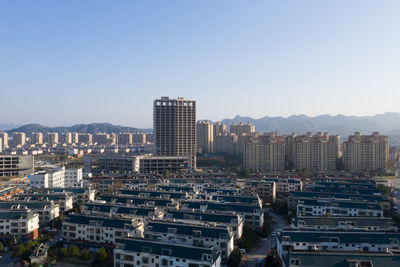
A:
7, 261
266, 244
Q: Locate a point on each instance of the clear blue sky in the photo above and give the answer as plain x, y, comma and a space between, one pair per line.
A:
67, 62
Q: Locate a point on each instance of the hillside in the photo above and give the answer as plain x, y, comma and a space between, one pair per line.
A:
387, 123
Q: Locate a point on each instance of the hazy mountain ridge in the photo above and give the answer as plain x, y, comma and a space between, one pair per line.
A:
387, 123
7, 126
91, 128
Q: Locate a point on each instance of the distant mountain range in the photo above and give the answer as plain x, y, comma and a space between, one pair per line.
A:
79, 128
7, 126
387, 123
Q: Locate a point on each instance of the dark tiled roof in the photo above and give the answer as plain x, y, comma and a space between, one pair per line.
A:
118, 209
186, 229
203, 216
314, 259
344, 237
96, 220
173, 250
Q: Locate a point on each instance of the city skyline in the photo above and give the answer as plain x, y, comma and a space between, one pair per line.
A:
266, 59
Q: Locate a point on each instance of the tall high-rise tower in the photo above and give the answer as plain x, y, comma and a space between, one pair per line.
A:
175, 127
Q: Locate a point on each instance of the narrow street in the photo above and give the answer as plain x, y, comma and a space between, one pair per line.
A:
261, 251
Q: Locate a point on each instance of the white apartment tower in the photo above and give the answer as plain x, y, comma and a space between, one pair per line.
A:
37, 138
205, 136
4, 138
241, 128
52, 138
67, 138
175, 128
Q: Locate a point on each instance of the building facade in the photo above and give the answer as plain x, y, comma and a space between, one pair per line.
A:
366, 152
205, 137
15, 165
175, 128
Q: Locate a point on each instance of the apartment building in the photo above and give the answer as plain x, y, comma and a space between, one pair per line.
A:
175, 128
225, 143
67, 138
293, 240
295, 197
316, 152
63, 199
205, 137
321, 258
85, 138
266, 190
368, 224
226, 219
53, 178
125, 139
101, 138
100, 229
52, 138
15, 165
80, 195
73, 178
123, 211
161, 203
241, 128
158, 164
366, 152
19, 222
138, 138
154, 193
47, 210
221, 238
149, 137
266, 152
19, 139
316, 207
149, 253
219, 128
97, 164
4, 139
252, 214
37, 138
284, 186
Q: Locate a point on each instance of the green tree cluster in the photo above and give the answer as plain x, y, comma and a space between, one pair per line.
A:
235, 258
24, 250
249, 238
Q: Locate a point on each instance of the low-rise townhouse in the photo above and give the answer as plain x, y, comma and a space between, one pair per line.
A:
151, 253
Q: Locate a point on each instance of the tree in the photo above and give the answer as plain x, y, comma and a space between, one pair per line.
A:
273, 260
235, 258
249, 238
101, 255
1, 246
63, 252
85, 254
20, 251
73, 251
